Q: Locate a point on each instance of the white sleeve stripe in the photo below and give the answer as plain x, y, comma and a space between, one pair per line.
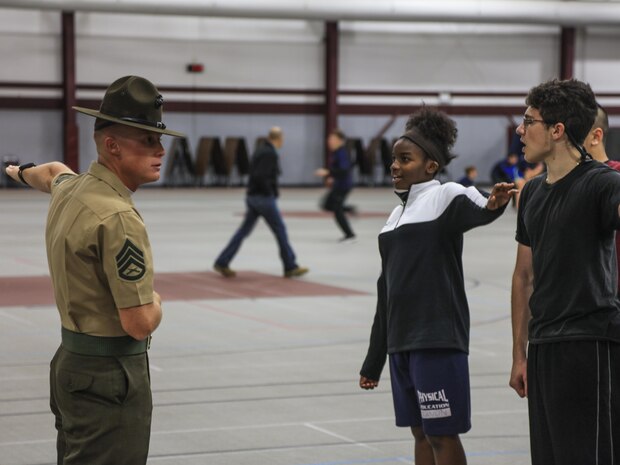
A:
475, 196
432, 203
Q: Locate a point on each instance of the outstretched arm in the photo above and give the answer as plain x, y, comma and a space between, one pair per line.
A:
500, 195
39, 177
522, 287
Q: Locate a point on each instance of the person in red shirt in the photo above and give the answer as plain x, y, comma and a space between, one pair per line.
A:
595, 145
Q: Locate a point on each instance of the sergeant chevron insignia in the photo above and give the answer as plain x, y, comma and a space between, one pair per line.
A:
62, 177
130, 262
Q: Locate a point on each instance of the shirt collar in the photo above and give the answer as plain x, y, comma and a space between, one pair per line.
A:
415, 190
104, 174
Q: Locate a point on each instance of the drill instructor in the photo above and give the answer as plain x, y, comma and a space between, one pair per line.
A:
102, 273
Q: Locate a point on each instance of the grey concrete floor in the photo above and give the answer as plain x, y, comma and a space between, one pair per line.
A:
262, 381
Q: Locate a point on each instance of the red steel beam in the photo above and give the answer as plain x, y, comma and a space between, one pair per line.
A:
331, 81
70, 139
567, 52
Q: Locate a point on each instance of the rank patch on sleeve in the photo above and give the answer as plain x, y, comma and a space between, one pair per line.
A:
130, 262
62, 178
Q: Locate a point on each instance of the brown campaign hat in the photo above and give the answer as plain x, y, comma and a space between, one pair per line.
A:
132, 101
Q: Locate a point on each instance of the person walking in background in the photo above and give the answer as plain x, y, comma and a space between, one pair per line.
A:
422, 315
565, 310
339, 179
102, 273
261, 201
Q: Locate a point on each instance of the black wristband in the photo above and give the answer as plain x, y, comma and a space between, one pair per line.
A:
23, 167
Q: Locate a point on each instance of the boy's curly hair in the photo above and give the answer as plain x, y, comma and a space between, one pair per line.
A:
570, 102
437, 127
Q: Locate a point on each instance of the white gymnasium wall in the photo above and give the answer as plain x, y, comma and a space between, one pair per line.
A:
487, 59
235, 52
30, 46
288, 55
598, 58
30, 135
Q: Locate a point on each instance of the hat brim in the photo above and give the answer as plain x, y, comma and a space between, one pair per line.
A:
98, 114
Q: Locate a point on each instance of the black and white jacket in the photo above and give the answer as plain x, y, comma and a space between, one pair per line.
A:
421, 292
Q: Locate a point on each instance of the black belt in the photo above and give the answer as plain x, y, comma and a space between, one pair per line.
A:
103, 346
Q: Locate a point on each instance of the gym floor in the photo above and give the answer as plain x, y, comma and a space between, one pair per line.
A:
258, 369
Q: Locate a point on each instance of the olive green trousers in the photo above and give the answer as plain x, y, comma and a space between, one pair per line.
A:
103, 408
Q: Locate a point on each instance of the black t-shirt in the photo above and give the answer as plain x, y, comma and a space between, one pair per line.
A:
570, 227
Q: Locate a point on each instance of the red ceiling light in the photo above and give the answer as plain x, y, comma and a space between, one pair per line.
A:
195, 68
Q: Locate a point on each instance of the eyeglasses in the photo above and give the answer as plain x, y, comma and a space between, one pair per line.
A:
527, 122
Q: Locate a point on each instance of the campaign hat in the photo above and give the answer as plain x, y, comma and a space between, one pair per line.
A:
132, 101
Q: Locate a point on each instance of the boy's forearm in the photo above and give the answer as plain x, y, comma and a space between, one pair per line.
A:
521, 292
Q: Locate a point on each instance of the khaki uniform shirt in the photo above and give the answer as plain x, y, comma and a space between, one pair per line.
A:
98, 251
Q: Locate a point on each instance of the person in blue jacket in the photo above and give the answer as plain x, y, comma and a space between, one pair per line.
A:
422, 316
340, 180
471, 173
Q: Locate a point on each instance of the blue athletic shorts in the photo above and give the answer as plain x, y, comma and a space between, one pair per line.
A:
430, 389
